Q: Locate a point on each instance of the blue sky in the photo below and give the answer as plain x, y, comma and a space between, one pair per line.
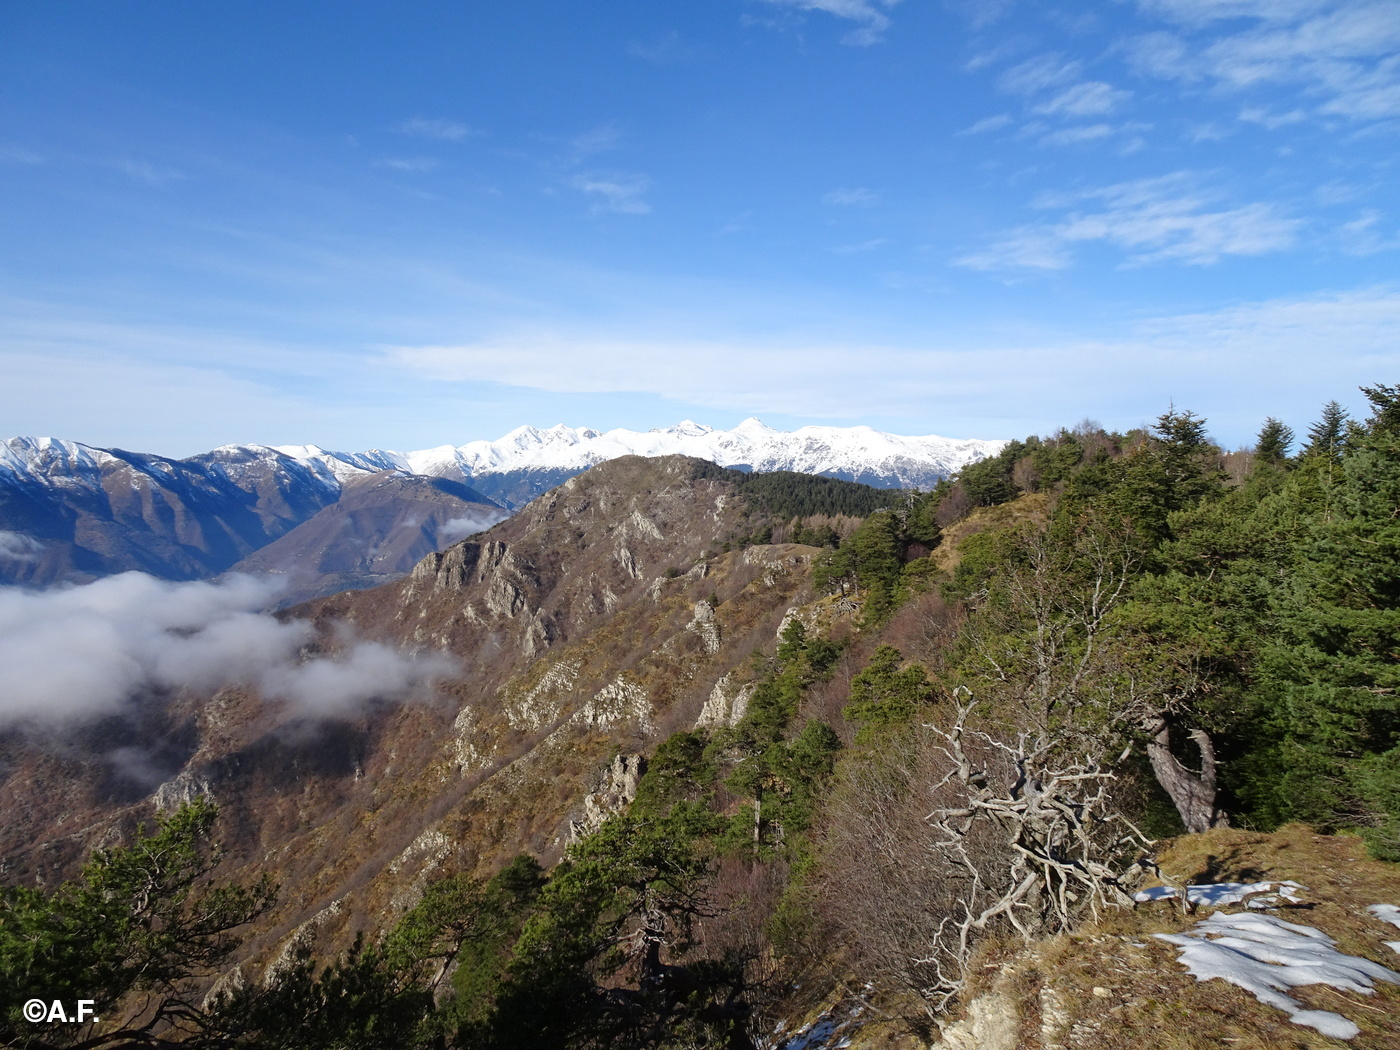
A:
398, 225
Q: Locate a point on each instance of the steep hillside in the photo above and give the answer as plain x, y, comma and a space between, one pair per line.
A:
596, 621
70, 512
380, 527
922, 781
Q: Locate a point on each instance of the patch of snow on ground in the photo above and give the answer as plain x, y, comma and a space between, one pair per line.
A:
1219, 894
1386, 913
1391, 914
1265, 956
825, 1033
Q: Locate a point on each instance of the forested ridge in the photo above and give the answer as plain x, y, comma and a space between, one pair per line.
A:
998, 696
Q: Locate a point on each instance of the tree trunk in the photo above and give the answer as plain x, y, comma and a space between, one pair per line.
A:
1193, 796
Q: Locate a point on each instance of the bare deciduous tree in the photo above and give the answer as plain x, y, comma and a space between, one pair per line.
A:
963, 836
1051, 651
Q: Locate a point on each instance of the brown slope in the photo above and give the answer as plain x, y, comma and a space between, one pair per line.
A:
575, 643
87, 513
381, 527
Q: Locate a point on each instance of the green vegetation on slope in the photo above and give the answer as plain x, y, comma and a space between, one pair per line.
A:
784, 494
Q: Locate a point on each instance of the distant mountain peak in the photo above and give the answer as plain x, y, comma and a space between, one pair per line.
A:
73, 511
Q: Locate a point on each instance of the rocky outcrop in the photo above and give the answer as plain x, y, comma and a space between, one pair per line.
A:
725, 706
618, 789
182, 790
705, 626
993, 1022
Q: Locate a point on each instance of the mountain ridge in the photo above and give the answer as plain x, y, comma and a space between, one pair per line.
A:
72, 512
858, 453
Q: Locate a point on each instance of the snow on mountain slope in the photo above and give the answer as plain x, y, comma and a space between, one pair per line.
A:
856, 453
71, 512
34, 457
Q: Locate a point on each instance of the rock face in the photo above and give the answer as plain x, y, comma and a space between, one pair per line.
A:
619, 787
992, 1023
725, 705
588, 626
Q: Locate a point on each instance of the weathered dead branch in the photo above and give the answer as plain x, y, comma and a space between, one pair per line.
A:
1066, 853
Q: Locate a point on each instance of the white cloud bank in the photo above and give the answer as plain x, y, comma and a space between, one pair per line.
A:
455, 529
16, 546
618, 191
88, 650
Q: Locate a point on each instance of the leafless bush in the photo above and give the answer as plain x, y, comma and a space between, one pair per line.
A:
953, 507
742, 895
1237, 465
1025, 476
955, 835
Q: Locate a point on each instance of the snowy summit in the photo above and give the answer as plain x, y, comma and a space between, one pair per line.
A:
854, 453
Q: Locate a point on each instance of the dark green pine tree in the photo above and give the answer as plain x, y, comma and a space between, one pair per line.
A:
1155, 481
1275, 439
1327, 436
1335, 669
886, 694
1385, 409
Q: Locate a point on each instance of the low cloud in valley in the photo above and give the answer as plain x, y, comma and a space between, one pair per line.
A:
89, 650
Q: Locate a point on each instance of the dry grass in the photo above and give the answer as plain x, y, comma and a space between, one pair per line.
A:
1034, 507
1114, 987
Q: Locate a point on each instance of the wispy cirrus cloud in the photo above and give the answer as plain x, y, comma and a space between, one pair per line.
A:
436, 128
150, 174
1088, 99
598, 139
1367, 234
986, 124
1056, 91
1342, 55
980, 13
1204, 360
19, 155
662, 50
1166, 219
608, 189
616, 192
1077, 133
408, 163
1039, 74
870, 13
857, 197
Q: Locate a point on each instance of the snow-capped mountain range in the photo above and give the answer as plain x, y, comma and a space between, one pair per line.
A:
853, 453
70, 512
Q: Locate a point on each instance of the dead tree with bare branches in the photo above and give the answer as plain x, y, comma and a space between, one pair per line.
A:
1066, 851
1052, 651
